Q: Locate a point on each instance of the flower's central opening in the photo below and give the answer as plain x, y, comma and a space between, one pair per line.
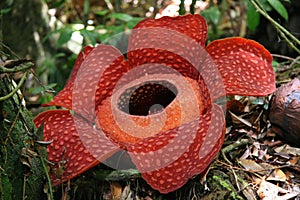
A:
147, 98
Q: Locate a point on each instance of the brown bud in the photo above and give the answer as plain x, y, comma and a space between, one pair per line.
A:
285, 112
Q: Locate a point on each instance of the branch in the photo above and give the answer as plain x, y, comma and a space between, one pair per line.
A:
16, 88
282, 31
13, 66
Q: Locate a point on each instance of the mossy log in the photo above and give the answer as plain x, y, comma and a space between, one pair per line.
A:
21, 172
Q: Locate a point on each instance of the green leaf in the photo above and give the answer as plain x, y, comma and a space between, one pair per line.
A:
212, 14
102, 13
253, 17
4, 11
266, 5
130, 24
121, 16
40, 89
65, 36
275, 65
90, 37
46, 98
58, 3
277, 5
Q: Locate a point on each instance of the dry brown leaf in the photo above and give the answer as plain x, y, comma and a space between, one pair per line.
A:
294, 160
277, 175
252, 166
267, 190
270, 191
256, 150
246, 154
237, 120
287, 149
116, 191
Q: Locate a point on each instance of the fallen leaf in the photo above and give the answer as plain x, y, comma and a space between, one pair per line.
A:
116, 191
277, 175
237, 120
287, 149
251, 165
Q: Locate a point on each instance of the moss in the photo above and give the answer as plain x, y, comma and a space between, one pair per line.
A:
221, 186
21, 174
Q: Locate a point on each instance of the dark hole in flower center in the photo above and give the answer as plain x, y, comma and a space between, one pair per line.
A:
147, 98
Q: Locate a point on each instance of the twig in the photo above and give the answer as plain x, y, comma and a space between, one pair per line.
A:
288, 41
47, 174
181, 8
11, 51
241, 169
282, 31
235, 178
24, 188
16, 88
192, 7
11, 128
284, 57
109, 5
117, 175
233, 146
296, 60
49, 90
13, 66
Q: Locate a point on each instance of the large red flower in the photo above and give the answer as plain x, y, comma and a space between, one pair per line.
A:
158, 104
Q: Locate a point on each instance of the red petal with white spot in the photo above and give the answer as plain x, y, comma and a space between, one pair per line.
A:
245, 65
68, 151
64, 97
193, 26
96, 79
153, 155
174, 42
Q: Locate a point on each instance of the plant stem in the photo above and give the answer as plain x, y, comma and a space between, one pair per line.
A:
22, 67
192, 7
282, 31
47, 174
16, 88
181, 8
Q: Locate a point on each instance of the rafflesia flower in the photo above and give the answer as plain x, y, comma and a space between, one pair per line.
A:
157, 104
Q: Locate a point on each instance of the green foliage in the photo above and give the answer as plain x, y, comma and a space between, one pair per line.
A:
253, 17
65, 35
93, 34
46, 97
4, 11
120, 16
182, 10
289, 38
212, 14
275, 65
102, 12
226, 185
277, 5
90, 36
5, 187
